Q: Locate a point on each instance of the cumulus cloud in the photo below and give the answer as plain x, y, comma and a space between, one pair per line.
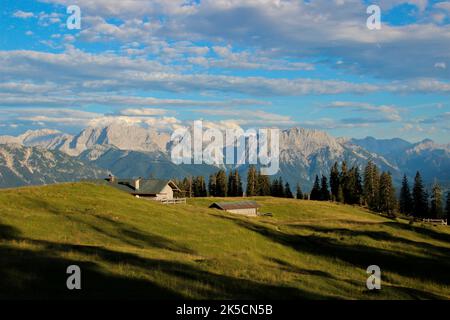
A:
332, 29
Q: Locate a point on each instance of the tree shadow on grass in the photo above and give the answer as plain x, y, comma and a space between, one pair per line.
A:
130, 235
286, 266
427, 269
439, 236
438, 251
41, 274
8, 232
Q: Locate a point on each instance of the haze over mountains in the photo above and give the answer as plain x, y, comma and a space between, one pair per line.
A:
132, 151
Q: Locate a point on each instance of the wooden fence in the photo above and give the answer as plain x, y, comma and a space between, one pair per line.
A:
173, 201
436, 221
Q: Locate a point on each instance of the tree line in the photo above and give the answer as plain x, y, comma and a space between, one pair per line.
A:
372, 188
222, 185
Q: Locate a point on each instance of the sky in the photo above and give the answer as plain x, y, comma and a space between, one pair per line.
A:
230, 63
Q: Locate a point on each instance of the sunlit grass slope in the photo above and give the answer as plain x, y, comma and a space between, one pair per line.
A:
134, 248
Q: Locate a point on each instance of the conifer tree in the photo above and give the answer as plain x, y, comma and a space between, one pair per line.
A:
273, 187
344, 181
371, 186
447, 207
299, 192
357, 189
263, 184
315, 191
420, 198
197, 186
221, 184
187, 183
334, 182
202, 187
252, 187
287, 191
436, 210
324, 192
280, 186
405, 201
340, 195
212, 185
237, 184
277, 189
231, 191
387, 201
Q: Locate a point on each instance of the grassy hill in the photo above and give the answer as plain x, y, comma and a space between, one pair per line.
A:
132, 248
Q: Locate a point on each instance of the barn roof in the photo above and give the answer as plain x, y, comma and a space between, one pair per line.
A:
235, 205
146, 186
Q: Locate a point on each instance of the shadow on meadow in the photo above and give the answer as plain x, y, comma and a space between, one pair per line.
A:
433, 268
439, 236
430, 249
129, 235
41, 274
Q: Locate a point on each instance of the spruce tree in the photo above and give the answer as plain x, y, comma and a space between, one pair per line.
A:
212, 185
202, 187
406, 202
187, 183
221, 184
299, 192
287, 191
447, 207
340, 195
371, 186
280, 186
263, 184
230, 185
357, 189
334, 182
273, 187
251, 182
420, 199
387, 201
427, 203
344, 181
315, 191
199, 186
239, 192
436, 201
324, 192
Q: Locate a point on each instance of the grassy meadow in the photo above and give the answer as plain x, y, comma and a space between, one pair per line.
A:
138, 249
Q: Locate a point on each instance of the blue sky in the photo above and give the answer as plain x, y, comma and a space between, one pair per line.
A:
248, 63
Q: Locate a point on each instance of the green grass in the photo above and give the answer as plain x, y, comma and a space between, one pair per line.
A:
133, 248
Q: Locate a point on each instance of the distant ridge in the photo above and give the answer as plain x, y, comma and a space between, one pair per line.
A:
133, 151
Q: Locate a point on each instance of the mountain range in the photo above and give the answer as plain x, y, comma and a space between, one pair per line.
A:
131, 151
20, 166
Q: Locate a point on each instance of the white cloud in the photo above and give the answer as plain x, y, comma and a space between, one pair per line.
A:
229, 59
111, 72
304, 32
143, 112
440, 65
387, 113
250, 117
22, 14
444, 5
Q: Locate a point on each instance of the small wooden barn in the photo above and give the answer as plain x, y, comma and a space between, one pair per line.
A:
154, 189
246, 208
